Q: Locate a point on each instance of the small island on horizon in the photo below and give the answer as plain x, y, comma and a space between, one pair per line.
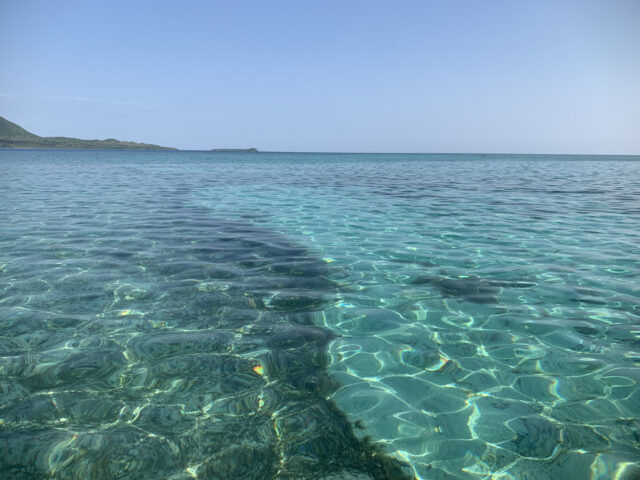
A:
233, 150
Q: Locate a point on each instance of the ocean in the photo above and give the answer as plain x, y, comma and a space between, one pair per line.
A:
263, 316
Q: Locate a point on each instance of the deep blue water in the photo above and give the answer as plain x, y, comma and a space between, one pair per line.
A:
319, 316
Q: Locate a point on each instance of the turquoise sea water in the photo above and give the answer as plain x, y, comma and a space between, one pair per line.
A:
317, 316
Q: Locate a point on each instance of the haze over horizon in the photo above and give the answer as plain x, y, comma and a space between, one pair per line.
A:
414, 76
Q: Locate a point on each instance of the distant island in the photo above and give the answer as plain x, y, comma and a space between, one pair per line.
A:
234, 150
14, 136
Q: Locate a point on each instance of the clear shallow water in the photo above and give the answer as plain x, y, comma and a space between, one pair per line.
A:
181, 315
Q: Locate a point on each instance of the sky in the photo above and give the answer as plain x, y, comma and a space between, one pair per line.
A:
503, 76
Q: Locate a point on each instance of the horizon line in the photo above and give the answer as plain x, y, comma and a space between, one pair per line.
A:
258, 151
240, 150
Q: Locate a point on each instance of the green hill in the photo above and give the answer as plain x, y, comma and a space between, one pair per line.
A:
14, 136
9, 130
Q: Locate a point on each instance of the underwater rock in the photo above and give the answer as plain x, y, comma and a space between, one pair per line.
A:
469, 288
534, 437
179, 343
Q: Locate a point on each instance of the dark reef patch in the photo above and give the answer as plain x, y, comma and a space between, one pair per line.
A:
205, 357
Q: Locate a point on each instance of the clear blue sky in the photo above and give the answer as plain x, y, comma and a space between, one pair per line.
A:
560, 76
